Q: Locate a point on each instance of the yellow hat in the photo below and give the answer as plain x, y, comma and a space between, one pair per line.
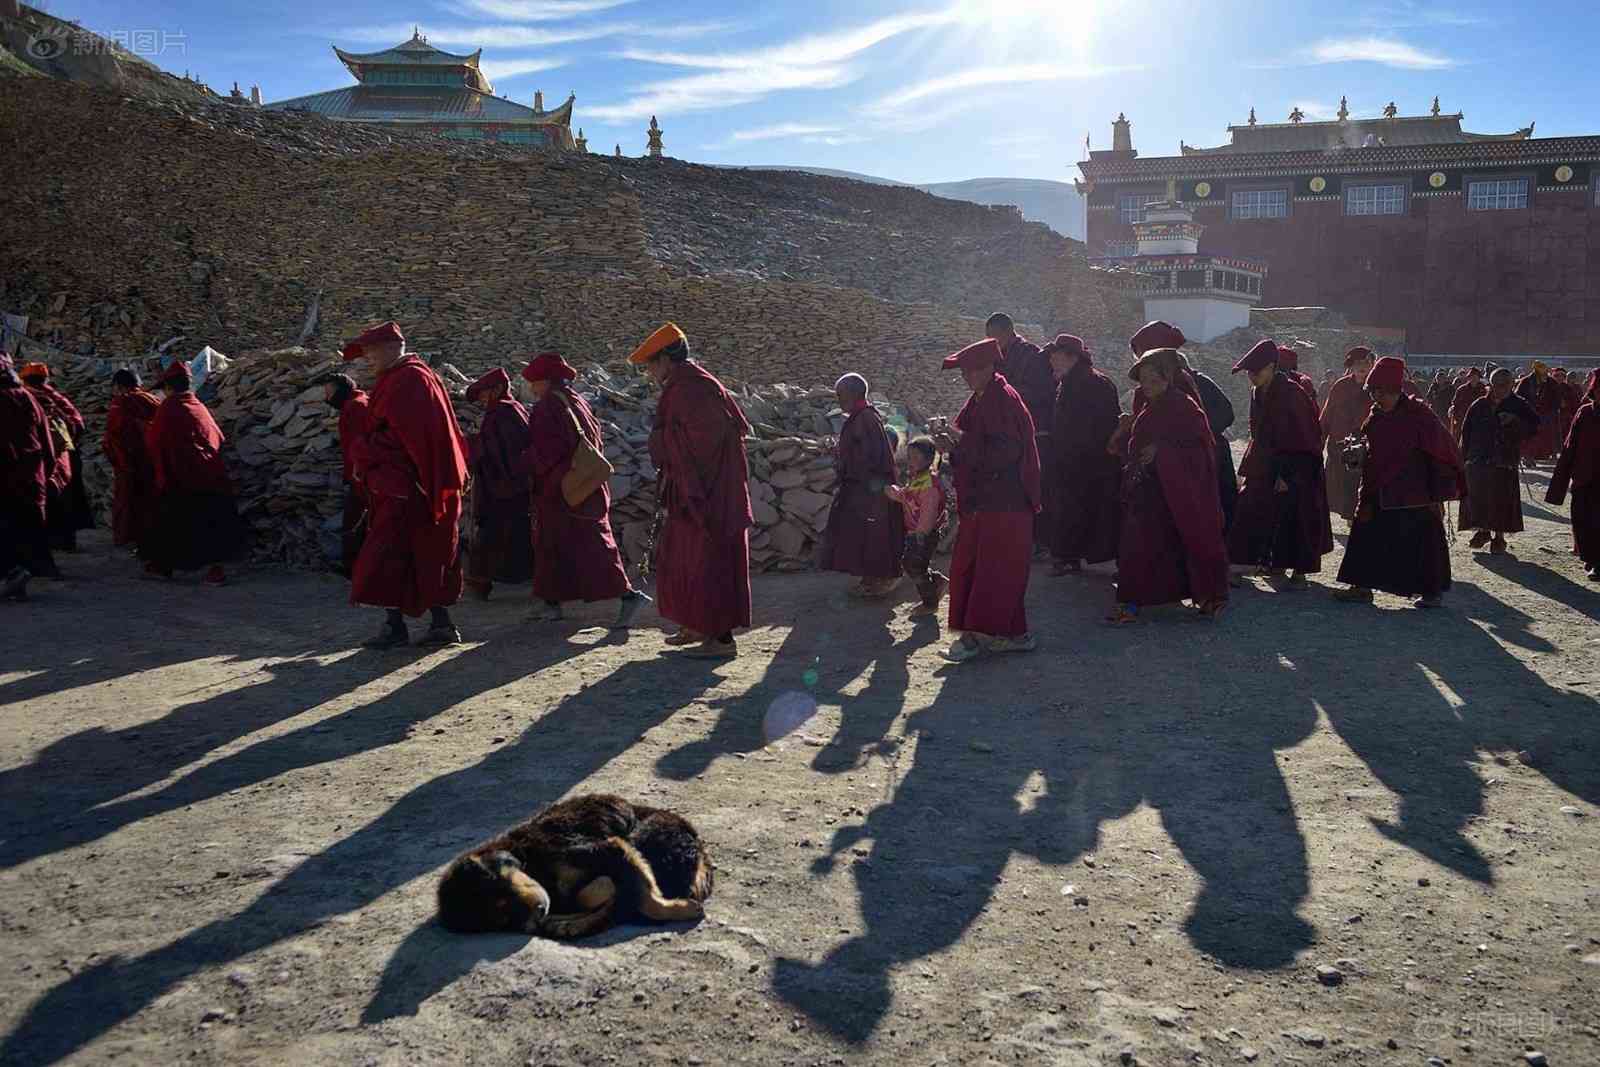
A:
1539, 365
665, 337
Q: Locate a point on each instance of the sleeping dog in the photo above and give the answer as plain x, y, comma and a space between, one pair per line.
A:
577, 868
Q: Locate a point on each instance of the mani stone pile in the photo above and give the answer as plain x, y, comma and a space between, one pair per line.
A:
284, 457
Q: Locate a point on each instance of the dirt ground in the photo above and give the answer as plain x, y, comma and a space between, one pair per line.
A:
223, 823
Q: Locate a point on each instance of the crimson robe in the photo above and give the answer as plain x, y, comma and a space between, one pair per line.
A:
413, 463
997, 478
196, 520
1397, 540
1088, 506
1548, 398
68, 508
1579, 469
27, 455
575, 555
133, 491
1291, 529
502, 536
703, 550
1466, 393
866, 530
1171, 547
353, 419
1492, 450
1342, 415
1440, 393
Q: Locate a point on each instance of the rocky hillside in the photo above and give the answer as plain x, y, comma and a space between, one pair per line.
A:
43, 46
134, 219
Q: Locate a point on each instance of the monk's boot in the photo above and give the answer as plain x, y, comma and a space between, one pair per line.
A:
1497, 547
441, 630
684, 636
628, 605
393, 634
1297, 582
1479, 539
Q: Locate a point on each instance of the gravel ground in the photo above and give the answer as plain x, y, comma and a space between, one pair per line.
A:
1311, 833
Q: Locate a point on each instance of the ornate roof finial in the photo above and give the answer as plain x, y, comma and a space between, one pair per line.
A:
581, 143
1391, 111
1344, 109
1436, 106
1297, 116
1252, 116
416, 32
619, 150
653, 144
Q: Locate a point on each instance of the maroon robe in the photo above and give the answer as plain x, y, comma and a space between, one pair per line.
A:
1087, 505
27, 455
996, 466
1466, 393
1579, 469
1491, 448
1342, 415
866, 530
353, 418
1284, 530
703, 550
413, 463
501, 546
1171, 547
1548, 398
133, 491
196, 520
1440, 393
1397, 541
68, 508
575, 555
1028, 370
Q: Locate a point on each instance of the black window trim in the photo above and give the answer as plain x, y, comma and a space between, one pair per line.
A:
1403, 181
1531, 177
1287, 188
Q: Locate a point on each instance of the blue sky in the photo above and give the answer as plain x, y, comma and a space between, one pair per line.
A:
922, 90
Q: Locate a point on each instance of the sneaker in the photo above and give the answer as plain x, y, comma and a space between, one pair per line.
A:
542, 612
1021, 643
388, 637
713, 649
442, 634
962, 650
628, 606
685, 636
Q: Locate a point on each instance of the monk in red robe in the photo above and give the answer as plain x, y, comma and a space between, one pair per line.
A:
501, 524
196, 518
1289, 366
341, 393
996, 465
1548, 397
413, 462
1409, 468
1171, 545
866, 530
1491, 446
1342, 415
575, 556
68, 509
1466, 394
1088, 511
1027, 368
1573, 397
1441, 391
1579, 469
1281, 522
703, 551
133, 491
27, 455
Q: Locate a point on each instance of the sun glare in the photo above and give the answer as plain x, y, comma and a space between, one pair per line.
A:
1049, 27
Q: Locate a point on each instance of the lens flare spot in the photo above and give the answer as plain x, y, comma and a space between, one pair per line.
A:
787, 713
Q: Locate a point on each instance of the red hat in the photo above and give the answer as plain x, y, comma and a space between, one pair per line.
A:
1156, 334
1356, 355
494, 379
1388, 374
387, 331
176, 374
1265, 351
34, 370
548, 367
984, 353
1068, 345
1288, 358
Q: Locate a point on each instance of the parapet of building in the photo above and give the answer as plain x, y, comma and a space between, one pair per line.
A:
1460, 241
416, 85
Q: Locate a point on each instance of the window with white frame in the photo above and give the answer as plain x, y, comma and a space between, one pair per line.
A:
1497, 194
1375, 199
1260, 203
1130, 206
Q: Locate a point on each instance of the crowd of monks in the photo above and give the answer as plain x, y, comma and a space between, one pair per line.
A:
1041, 461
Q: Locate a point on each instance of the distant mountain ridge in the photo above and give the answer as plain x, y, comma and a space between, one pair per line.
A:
1056, 204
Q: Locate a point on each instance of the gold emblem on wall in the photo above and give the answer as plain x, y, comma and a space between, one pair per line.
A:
1318, 184
1563, 174
1437, 179
1202, 189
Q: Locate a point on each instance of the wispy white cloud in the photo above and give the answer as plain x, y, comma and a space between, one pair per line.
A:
902, 101
508, 36
835, 140
1384, 51
731, 78
514, 68
1315, 110
539, 10
781, 131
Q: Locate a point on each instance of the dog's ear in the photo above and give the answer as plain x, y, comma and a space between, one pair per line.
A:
466, 893
502, 862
